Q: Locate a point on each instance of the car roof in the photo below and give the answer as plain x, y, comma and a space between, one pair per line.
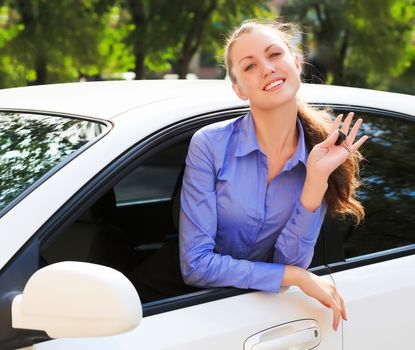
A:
109, 99
105, 99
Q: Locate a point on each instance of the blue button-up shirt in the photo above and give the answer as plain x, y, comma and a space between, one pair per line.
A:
235, 230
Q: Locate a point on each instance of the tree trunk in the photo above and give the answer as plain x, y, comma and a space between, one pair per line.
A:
183, 65
139, 65
140, 17
41, 71
193, 39
338, 68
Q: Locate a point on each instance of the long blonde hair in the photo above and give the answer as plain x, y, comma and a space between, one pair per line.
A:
343, 182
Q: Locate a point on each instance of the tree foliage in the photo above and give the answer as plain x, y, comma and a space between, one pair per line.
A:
354, 42
349, 42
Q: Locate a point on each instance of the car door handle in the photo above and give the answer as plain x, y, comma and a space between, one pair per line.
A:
298, 335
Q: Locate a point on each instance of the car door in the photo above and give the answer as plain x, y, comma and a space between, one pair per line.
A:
221, 318
377, 276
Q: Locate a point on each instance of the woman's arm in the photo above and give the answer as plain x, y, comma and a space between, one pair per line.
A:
200, 264
295, 244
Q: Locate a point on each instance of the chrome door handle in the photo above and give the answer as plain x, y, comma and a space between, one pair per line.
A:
298, 335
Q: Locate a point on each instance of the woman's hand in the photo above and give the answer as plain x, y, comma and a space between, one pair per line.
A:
318, 288
326, 156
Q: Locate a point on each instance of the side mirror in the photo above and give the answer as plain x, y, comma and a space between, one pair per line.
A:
76, 299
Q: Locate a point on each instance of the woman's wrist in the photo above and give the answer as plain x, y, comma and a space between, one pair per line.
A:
292, 275
313, 192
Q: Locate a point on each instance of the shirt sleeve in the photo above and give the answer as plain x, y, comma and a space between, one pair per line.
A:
295, 244
200, 264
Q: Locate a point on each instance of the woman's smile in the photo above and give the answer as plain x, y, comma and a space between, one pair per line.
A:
275, 84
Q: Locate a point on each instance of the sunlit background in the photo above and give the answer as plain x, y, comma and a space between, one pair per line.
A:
365, 43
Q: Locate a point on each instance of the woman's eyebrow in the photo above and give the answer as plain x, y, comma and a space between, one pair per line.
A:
246, 57
266, 49
270, 46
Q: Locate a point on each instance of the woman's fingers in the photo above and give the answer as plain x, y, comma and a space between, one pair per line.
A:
343, 306
326, 293
360, 142
336, 123
347, 122
336, 315
330, 140
352, 135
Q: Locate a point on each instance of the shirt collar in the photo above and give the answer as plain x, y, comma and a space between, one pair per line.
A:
248, 142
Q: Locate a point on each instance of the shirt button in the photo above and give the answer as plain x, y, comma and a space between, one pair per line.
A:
293, 221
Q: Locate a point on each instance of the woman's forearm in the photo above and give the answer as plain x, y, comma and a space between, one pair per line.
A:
313, 192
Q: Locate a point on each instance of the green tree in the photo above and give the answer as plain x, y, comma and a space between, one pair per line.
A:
171, 32
354, 42
54, 39
204, 25
150, 36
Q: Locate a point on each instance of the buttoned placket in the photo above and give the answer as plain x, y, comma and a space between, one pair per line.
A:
263, 188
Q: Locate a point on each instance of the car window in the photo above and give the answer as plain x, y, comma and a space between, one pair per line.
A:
154, 179
388, 190
133, 227
33, 144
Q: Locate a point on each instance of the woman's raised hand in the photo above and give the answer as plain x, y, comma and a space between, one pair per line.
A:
326, 156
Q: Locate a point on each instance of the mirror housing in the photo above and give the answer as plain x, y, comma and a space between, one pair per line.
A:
77, 299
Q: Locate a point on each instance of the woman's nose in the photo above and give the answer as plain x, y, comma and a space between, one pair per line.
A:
268, 68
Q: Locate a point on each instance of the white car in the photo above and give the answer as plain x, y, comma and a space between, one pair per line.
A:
89, 181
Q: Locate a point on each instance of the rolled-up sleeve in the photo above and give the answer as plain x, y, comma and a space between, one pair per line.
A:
295, 244
200, 264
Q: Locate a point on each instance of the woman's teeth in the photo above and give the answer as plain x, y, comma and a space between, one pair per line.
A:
273, 84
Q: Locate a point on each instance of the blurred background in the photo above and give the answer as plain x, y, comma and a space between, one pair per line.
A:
364, 43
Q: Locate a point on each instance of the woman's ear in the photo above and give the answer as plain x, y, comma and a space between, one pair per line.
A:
239, 92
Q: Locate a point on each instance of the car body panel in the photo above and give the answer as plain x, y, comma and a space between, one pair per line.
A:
222, 324
379, 301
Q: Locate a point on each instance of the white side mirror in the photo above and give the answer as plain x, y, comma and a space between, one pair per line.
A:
74, 299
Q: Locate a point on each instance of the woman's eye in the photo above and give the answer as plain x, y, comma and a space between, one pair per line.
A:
275, 54
250, 66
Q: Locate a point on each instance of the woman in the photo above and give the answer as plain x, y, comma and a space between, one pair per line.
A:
254, 197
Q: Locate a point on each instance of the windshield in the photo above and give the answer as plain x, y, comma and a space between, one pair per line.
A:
33, 144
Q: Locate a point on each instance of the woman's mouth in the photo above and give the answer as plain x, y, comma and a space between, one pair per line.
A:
275, 83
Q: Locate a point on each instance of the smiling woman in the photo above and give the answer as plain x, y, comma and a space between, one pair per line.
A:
256, 188
32, 144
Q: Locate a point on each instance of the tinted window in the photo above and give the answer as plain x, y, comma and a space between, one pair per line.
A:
154, 179
388, 191
32, 144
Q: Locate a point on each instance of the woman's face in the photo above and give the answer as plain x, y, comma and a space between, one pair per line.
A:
266, 71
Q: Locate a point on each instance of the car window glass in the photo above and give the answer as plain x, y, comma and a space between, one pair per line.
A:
32, 144
154, 179
388, 190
